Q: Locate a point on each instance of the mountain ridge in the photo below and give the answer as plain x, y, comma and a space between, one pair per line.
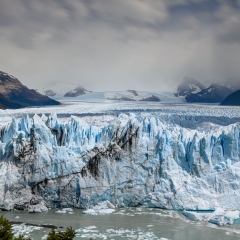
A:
194, 92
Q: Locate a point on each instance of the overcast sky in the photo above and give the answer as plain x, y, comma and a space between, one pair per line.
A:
120, 44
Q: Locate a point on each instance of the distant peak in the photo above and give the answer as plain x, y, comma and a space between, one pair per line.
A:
78, 91
188, 86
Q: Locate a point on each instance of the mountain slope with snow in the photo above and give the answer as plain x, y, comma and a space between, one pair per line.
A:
188, 86
132, 95
61, 89
193, 91
216, 93
78, 91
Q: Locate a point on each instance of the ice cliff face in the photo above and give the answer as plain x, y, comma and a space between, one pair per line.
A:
130, 160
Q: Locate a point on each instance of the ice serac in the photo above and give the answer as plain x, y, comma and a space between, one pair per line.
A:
129, 160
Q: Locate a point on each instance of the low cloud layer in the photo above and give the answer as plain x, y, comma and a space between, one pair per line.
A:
120, 44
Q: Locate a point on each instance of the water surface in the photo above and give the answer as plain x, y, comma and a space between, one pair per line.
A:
128, 223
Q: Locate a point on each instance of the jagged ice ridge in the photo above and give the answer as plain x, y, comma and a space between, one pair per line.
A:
129, 160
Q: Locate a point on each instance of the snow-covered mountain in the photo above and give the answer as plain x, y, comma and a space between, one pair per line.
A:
61, 89
188, 86
128, 159
78, 91
130, 95
193, 91
215, 93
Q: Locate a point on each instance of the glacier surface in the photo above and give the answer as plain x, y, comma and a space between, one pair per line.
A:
140, 159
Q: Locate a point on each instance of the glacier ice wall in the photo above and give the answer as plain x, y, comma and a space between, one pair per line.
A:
130, 160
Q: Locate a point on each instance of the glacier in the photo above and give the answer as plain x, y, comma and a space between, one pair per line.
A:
132, 159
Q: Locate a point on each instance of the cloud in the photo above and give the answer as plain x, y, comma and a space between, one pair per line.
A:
230, 36
111, 44
229, 31
130, 13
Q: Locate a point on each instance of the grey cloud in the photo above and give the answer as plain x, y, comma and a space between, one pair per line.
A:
107, 45
229, 30
229, 37
59, 18
125, 13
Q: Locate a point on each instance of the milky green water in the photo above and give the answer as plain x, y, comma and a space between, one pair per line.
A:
129, 223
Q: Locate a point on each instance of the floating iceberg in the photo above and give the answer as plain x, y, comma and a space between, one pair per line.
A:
67, 209
61, 211
90, 211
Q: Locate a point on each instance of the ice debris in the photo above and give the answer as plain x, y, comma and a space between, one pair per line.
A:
23, 229
67, 209
109, 233
61, 211
101, 208
40, 207
219, 216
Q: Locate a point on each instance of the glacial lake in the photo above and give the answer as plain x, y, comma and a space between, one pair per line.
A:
126, 223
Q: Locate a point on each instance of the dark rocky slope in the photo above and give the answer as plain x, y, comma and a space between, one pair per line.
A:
232, 100
13, 94
7, 103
